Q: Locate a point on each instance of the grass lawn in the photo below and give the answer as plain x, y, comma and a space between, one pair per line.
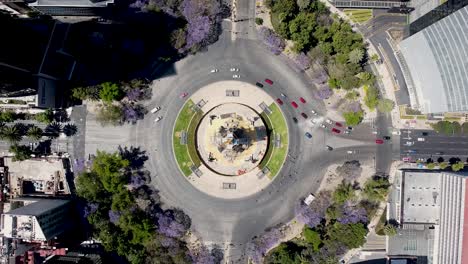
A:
359, 15
186, 121
275, 157
381, 224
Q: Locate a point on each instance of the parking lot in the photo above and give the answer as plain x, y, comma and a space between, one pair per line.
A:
414, 145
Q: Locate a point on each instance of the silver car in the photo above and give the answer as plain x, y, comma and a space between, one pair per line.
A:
158, 119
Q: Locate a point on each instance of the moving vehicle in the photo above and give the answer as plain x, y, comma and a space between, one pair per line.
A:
406, 159
156, 109
379, 141
302, 100
338, 124
309, 199
295, 120
351, 151
374, 132
214, 70
313, 121
279, 101
329, 121
270, 82
329, 148
347, 132
337, 131
396, 133
304, 115
350, 128
236, 76
439, 153
323, 125
425, 133
294, 104
183, 95
282, 94
409, 143
313, 112
259, 84
421, 139
387, 138
158, 119
308, 135
234, 69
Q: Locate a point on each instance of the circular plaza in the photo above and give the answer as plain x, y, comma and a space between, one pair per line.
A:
230, 139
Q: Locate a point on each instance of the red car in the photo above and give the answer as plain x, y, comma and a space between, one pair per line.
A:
302, 100
294, 104
270, 82
379, 141
334, 130
304, 115
183, 95
338, 124
279, 101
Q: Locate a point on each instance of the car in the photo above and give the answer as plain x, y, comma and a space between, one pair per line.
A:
337, 131
421, 139
259, 84
406, 159
234, 69
351, 151
294, 104
295, 120
329, 121
304, 115
347, 132
374, 132
308, 135
313, 121
323, 125
378, 141
396, 133
158, 119
425, 133
309, 199
387, 138
409, 143
270, 82
214, 70
279, 101
183, 95
439, 153
236, 76
338, 124
302, 100
313, 112
329, 148
156, 109
349, 128
283, 95
411, 151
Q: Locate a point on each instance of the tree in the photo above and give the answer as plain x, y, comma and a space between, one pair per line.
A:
110, 115
351, 214
458, 166
110, 92
312, 237
353, 118
385, 105
12, 133
84, 93
303, 4
69, 130
21, 152
259, 21
389, 230
45, 117
303, 61
7, 116
443, 165
300, 30
34, 133
371, 98
351, 235
356, 55
178, 38
376, 189
287, 7
53, 130
109, 167
430, 165
445, 127
285, 253
271, 40
344, 191
89, 187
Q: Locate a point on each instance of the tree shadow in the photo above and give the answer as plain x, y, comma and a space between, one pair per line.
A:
440, 160
53, 130
134, 155
453, 160
70, 129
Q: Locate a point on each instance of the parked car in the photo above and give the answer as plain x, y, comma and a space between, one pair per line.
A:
329, 121
379, 141
387, 138
338, 124
337, 131
158, 119
347, 132
308, 135
313, 112
406, 159
313, 121
183, 95
236, 76
295, 120
294, 104
304, 115
439, 153
279, 101
234, 69
409, 143
214, 70
302, 100
396, 133
270, 82
156, 109
329, 148
351, 151
309, 199
421, 139
323, 125
283, 95
259, 84
425, 133
350, 128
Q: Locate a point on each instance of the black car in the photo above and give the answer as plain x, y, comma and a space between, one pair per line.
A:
295, 120
425, 133
259, 84
350, 128
386, 138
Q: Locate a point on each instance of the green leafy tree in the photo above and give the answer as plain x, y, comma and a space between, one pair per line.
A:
366, 78
371, 98
443, 165
110, 92
286, 7
12, 133
446, 127
89, 186
83, 93
259, 21
179, 38
390, 230
284, 253
300, 30
45, 117
344, 191
374, 57
110, 115
7, 116
303, 4
353, 118
351, 235
465, 128
312, 237
109, 167
34, 133
376, 189
458, 166
356, 55
430, 165
385, 105
21, 152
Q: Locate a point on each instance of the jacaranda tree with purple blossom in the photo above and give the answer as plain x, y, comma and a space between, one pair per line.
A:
260, 246
274, 42
114, 216
167, 225
352, 214
302, 61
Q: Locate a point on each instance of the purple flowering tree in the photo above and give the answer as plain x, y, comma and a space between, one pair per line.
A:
323, 93
202, 255
89, 209
302, 61
168, 226
136, 181
352, 214
79, 165
274, 42
260, 246
353, 107
114, 216
134, 94
306, 215
198, 30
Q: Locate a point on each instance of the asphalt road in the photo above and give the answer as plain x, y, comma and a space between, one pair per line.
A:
232, 223
434, 145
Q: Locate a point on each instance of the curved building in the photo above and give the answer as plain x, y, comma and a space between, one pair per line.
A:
435, 65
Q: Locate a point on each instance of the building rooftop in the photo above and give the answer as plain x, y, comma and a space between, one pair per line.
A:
39, 207
437, 65
411, 242
421, 197
72, 3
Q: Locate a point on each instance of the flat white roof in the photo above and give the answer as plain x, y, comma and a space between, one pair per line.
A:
421, 197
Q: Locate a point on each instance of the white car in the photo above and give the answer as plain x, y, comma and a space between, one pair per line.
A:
214, 70
236, 76
350, 151
156, 109
313, 112
234, 69
409, 143
396, 133
323, 126
282, 94
421, 139
347, 132
158, 119
374, 132
329, 121
313, 121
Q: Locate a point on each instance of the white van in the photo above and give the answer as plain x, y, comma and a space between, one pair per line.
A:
421, 139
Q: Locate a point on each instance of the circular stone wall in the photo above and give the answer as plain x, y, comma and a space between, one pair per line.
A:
232, 139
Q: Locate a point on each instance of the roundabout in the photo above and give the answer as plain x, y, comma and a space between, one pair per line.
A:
230, 139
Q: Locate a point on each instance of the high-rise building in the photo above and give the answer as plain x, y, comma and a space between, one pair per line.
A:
62, 7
